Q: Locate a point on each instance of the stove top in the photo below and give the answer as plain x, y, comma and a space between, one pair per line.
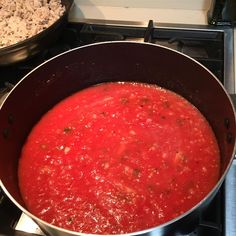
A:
211, 46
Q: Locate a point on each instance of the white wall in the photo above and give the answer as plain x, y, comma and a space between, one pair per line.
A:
163, 11
171, 4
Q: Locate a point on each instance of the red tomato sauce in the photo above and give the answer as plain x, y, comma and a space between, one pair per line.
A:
118, 158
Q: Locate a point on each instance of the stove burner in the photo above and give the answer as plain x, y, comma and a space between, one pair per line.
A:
9, 215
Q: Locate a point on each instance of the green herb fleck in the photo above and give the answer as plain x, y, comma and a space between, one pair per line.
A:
143, 101
136, 172
166, 104
69, 220
124, 100
104, 113
67, 130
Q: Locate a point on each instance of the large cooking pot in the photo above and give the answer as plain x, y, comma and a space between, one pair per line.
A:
32, 46
69, 72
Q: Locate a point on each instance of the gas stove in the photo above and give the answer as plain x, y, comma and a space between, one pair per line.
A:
211, 46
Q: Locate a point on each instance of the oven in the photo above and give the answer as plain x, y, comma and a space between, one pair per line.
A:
212, 45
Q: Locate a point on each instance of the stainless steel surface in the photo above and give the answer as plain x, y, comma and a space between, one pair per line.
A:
230, 201
230, 180
112, 22
26, 224
229, 73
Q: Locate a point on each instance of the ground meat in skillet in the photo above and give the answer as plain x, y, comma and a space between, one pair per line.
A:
21, 19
